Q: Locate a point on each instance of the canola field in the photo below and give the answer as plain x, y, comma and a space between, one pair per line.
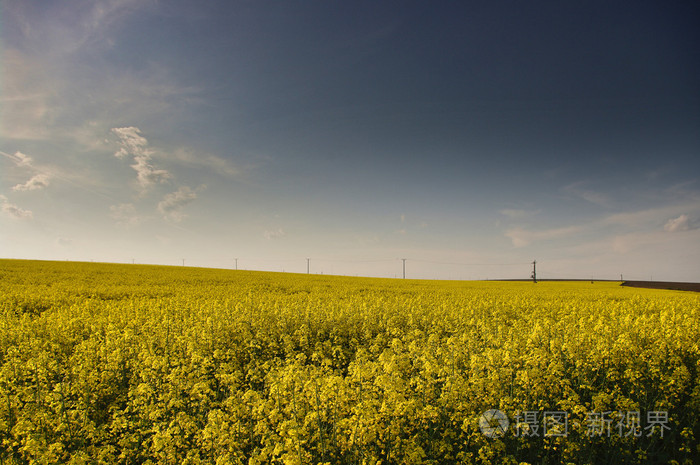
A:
130, 364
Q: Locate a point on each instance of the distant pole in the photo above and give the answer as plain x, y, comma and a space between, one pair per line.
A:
534, 271
236, 263
621, 277
183, 262
307, 265
133, 261
404, 267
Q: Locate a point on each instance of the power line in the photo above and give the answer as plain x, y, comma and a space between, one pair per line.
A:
418, 271
470, 264
354, 261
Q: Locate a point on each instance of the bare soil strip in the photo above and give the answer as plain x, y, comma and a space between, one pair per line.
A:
695, 287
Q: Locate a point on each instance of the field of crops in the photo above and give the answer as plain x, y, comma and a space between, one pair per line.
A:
175, 365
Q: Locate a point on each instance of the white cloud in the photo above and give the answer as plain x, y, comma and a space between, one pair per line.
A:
81, 177
147, 175
19, 158
682, 223
23, 160
125, 215
172, 204
13, 210
38, 181
274, 234
132, 143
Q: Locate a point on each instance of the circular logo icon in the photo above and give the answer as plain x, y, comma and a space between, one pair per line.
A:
493, 423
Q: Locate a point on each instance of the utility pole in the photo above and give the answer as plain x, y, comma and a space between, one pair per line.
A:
236, 263
534, 271
307, 265
621, 277
183, 262
404, 267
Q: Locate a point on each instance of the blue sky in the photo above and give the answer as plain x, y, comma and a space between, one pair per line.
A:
468, 137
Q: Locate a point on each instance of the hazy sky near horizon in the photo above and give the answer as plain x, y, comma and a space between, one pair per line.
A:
468, 137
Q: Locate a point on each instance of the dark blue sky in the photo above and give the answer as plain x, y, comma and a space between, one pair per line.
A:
486, 131
424, 88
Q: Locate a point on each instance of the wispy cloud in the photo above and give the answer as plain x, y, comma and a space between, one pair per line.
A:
38, 181
274, 234
214, 163
172, 204
651, 217
44, 60
523, 237
133, 144
73, 26
518, 213
627, 225
42, 175
682, 223
125, 215
25, 98
652, 241
13, 210
95, 24
18, 158
147, 175
577, 189
63, 242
